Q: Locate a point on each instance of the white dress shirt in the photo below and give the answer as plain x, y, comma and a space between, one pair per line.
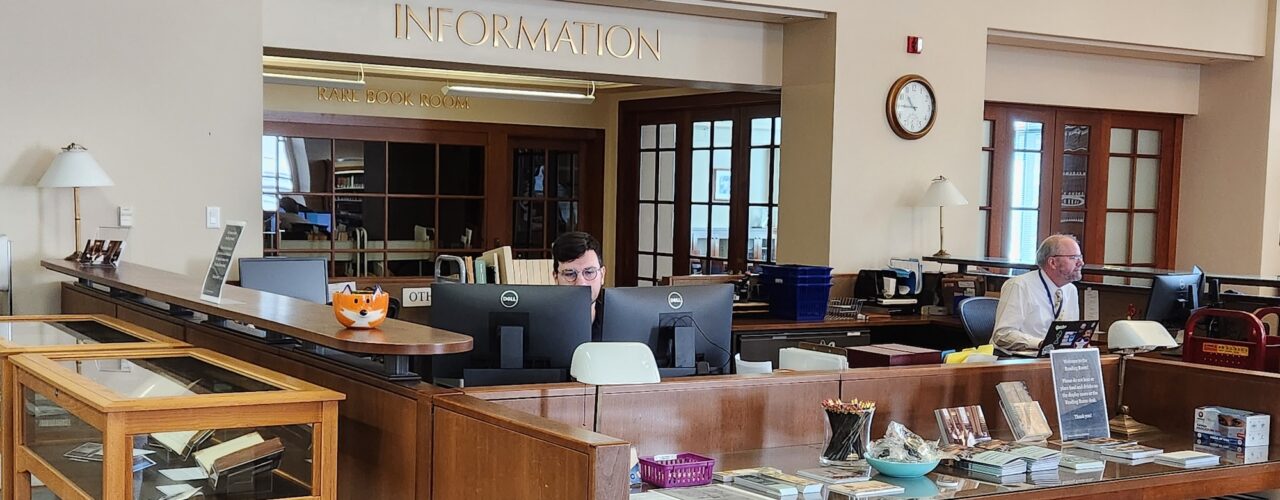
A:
1026, 310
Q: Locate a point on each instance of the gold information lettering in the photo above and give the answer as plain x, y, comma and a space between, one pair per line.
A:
474, 28
392, 97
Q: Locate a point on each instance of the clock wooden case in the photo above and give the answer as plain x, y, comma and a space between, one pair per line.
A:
911, 107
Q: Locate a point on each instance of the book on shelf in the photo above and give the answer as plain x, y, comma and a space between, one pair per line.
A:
963, 425
866, 489
182, 442
1025, 416
837, 475
769, 486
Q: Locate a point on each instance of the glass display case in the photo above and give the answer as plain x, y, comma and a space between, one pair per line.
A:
170, 425
67, 333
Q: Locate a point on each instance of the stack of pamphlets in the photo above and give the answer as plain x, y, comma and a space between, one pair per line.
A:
994, 463
1097, 444
1080, 463
1038, 458
777, 484
866, 489
708, 492
1130, 451
1187, 459
727, 476
838, 475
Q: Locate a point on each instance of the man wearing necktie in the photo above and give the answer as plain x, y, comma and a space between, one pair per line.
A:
1031, 301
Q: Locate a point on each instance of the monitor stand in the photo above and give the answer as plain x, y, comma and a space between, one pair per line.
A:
685, 355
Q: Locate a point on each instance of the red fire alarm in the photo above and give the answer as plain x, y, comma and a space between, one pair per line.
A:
915, 44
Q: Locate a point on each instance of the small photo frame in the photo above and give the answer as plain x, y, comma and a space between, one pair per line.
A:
723, 185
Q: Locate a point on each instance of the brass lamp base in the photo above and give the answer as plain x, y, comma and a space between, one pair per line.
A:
74, 256
941, 253
1125, 425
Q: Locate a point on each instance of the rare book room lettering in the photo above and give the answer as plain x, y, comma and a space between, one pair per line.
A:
392, 97
474, 28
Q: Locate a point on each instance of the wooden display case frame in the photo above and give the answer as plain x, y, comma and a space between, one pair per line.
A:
120, 418
150, 340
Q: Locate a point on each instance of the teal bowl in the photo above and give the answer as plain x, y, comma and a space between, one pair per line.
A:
902, 469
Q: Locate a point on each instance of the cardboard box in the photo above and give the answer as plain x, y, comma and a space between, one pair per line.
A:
892, 355
1231, 428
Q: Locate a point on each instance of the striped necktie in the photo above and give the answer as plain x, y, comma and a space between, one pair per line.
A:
1057, 303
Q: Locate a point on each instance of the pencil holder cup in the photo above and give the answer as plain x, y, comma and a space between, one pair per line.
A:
846, 436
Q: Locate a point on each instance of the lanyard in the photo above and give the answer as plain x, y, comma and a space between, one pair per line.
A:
1056, 312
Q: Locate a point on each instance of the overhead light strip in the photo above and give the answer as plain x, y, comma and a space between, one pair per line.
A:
521, 94
314, 81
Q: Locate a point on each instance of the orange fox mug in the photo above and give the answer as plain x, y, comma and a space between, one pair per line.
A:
361, 308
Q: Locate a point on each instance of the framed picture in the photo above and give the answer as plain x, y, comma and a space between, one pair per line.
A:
723, 185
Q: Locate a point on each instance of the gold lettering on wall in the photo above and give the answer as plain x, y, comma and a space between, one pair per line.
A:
391, 98
475, 28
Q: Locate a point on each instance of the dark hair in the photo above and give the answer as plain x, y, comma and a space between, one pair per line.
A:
570, 246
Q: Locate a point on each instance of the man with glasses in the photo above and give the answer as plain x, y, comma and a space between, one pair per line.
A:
1033, 300
579, 261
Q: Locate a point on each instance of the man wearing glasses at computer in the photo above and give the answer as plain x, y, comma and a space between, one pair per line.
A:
1031, 301
580, 262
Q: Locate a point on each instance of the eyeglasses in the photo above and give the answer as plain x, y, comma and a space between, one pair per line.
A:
588, 274
1076, 258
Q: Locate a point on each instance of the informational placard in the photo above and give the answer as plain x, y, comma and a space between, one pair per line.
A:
221, 263
1081, 397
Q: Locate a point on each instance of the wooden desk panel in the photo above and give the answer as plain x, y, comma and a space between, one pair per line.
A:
719, 413
909, 394
745, 325
75, 301
485, 450
1165, 392
570, 403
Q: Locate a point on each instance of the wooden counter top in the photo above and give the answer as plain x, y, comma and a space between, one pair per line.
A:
751, 325
299, 319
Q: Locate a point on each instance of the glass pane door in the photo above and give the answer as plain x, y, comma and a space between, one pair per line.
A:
657, 202
1022, 234
709, 197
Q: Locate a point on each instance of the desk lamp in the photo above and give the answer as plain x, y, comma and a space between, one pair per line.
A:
74, 168
942, 193
1130, 337
613, 363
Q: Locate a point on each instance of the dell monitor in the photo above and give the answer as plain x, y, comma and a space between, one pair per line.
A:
521, 334
687, 327
305, 278
1173, 297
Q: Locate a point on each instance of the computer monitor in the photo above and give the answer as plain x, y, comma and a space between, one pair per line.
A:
322, 219
1174, 296
305, 278
688, 327
521, 334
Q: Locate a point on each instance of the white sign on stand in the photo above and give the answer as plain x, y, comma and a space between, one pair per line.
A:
221, 263
1081, 396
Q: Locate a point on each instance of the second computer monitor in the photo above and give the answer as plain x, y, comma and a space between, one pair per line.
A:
1173, 297
520, 333
651, 315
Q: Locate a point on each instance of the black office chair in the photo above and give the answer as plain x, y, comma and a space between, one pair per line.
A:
978, 314
393, 308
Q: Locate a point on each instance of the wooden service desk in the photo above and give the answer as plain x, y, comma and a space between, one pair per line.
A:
385, 422
760, 338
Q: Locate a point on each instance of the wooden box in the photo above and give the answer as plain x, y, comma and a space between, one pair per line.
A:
892, 355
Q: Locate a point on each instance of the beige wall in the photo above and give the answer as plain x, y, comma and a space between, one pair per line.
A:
171, 110
1037, 76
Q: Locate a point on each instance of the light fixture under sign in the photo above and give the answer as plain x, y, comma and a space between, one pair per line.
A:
314, 81
521, 94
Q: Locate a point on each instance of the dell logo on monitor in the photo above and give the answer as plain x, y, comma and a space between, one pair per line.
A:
509, 299
675, 300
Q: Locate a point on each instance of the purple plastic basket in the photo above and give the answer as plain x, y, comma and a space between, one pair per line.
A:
687, 469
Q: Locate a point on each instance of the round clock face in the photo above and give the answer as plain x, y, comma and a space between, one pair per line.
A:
913, 107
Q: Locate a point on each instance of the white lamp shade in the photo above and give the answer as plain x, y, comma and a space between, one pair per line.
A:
942, 193
74, 167
1138, 335
613, 363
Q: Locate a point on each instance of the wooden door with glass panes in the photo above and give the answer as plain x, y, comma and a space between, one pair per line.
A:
705, 199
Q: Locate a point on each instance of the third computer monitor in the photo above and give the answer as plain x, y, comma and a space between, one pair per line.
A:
1173, 297
520, 333
652, 315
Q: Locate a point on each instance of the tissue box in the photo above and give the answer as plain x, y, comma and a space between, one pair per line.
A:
1231, 428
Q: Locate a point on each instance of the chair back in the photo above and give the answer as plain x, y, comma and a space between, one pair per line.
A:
741, 366
978, 314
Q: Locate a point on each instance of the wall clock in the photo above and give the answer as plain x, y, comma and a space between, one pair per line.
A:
911, 107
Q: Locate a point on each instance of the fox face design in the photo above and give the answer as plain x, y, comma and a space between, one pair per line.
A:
361, 308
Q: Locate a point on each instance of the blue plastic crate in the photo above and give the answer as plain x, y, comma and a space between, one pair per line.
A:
792, 272
799, 301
